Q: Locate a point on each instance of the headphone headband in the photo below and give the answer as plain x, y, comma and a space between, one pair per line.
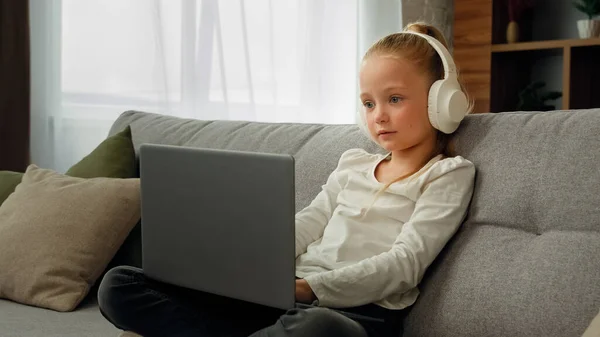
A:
447, 61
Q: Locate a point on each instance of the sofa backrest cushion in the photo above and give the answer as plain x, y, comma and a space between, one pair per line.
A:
526, 260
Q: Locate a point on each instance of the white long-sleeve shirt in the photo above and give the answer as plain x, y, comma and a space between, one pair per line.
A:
350, 257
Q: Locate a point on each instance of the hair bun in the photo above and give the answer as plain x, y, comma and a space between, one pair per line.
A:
424, 28
420, 28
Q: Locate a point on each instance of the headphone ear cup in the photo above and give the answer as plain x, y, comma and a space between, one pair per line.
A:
433, 109
458, 104
447, 105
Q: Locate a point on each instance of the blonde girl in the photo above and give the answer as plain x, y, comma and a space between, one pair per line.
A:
365, 241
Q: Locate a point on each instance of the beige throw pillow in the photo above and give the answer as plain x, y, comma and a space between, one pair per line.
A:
58, 233
594, 329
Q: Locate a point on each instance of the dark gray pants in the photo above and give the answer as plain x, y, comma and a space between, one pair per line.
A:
133, 302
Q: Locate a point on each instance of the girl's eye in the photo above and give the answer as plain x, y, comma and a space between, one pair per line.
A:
395, 99
369, 105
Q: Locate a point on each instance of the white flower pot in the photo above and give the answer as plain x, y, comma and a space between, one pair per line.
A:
588, 28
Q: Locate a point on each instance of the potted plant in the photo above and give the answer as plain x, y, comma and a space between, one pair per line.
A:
530, 99
516, 9
590, 27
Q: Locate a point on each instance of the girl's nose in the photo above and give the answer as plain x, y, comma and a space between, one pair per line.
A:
381, 115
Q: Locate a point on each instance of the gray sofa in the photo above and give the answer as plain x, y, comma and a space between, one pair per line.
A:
526, 262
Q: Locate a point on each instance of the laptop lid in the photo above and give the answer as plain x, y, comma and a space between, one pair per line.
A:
220, 221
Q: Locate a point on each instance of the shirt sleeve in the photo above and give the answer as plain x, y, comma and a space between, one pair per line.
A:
438, 213
312, 220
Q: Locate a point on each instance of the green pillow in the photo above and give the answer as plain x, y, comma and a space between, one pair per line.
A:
8, 182
113, 158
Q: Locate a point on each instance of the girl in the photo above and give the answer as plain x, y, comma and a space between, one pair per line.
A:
365, 241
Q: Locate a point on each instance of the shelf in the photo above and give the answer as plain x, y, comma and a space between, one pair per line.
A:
494, 72
541, 45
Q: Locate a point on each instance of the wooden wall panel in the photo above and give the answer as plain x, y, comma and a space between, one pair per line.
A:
472, 48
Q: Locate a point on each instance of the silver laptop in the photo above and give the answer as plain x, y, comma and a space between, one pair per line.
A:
220, 221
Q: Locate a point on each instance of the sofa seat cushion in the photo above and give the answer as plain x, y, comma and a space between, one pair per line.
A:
18, 320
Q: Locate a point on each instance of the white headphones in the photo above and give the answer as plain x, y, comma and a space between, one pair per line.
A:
447, 103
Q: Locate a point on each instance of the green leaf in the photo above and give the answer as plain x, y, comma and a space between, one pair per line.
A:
589, 7
579, 7
582, 8
552, 95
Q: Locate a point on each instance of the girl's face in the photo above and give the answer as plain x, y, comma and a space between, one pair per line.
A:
394, 94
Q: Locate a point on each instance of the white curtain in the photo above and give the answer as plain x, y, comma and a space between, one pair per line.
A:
256, 60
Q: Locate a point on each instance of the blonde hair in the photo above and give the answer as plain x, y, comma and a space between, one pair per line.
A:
417, 50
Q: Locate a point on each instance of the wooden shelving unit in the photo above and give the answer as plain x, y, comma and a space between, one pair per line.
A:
512, 64
495, 72
538, 45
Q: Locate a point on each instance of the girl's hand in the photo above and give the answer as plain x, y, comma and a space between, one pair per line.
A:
304, 293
